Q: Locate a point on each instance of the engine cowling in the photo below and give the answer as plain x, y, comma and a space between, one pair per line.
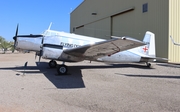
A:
55, 52
26, 43
50, 51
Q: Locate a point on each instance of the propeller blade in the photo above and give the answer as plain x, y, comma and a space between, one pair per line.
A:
15, 37
16, 34
42, 42
41, 51
40, 54
17, 30
39, 59
35, 55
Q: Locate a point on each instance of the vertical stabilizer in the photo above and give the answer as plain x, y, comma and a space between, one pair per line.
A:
149, 49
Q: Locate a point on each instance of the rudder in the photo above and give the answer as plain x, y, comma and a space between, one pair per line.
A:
149, 49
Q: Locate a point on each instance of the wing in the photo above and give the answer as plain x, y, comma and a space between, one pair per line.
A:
104, 48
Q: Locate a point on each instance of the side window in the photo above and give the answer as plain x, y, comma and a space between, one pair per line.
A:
145, 8
73, 29
47, 33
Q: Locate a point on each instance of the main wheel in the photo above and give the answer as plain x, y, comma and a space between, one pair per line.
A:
62, 69
52, 64
148, 65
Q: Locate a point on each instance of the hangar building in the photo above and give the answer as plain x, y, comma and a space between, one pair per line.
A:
104, 18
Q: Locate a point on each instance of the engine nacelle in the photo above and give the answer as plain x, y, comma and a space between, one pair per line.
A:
51, 51
26, 43
55, 52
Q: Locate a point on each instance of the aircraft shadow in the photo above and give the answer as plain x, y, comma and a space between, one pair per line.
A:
69, 81
151, 76
60, 82
72, 80
89, 66
169, 65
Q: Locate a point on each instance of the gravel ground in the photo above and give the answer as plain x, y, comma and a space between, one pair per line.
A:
88, 87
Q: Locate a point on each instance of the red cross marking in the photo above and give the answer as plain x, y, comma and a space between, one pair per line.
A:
145, 49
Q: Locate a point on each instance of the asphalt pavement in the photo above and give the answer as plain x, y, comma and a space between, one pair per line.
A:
88, 87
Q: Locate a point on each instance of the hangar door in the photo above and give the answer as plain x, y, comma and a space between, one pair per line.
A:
98, 29
125, 24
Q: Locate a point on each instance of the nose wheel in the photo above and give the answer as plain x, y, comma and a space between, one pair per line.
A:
62, 69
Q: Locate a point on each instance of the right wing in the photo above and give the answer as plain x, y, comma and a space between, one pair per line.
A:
104, 48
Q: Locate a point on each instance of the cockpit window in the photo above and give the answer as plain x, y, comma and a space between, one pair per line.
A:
50, 33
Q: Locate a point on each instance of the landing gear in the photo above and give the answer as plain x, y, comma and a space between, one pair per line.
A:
148, 64
62, 69
52, 64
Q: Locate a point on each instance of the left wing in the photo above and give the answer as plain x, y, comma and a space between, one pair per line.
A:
104, 48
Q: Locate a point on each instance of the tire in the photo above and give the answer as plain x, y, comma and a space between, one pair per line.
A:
62, 70
148, 65
52, 64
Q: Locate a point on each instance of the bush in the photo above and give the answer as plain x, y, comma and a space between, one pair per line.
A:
5, 45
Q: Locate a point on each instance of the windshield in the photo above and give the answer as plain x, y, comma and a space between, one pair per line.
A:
50, 33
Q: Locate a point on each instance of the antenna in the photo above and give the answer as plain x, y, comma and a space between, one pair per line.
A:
178, 44
49, 26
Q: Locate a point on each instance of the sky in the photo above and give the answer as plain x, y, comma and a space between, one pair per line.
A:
34, 16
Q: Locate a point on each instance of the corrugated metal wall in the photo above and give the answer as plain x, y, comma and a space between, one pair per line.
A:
174, 30
102, 19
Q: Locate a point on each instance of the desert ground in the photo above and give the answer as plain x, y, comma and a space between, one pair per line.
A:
88, 87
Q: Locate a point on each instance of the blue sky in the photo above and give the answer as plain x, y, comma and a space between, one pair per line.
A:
34, 16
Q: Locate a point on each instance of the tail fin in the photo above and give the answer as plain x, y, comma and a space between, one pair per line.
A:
149, 49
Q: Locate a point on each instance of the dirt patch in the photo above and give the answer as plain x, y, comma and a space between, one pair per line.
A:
11, 109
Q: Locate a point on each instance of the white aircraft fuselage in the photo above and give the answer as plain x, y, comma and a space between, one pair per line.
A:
70, 41
67, 47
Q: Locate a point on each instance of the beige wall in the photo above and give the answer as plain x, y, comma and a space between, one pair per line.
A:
125, 18
174, 30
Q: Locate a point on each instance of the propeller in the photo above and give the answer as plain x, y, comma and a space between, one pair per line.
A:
41, 49
27, 36
15, 37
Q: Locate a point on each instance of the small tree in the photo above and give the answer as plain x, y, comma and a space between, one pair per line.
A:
1, 39
4, 45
